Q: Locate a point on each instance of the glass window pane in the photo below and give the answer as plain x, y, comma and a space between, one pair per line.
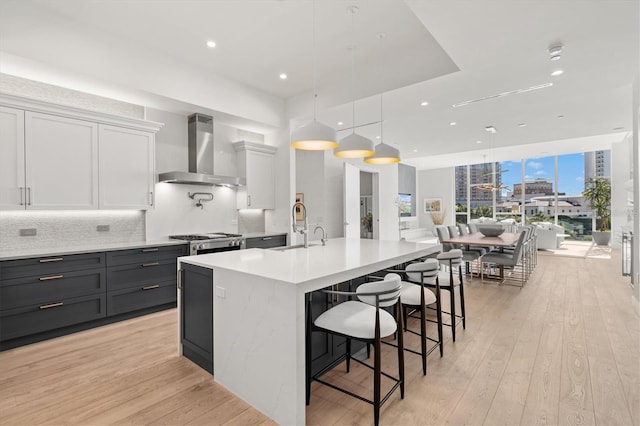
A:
508, 201
539, 189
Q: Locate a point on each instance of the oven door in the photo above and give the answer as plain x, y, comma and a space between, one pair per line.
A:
215, 249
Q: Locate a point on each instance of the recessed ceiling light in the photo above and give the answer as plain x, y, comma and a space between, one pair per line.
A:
424, 103
377, 137
555, 49
453, 123
557, 73
283, 76
415, 150
522, 124
211, 44
478, 141
555, 57
340, 123
560, 116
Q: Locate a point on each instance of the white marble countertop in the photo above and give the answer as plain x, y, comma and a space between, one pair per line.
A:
86, 248
300, 265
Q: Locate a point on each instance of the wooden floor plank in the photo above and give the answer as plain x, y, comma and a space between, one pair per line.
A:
508, 403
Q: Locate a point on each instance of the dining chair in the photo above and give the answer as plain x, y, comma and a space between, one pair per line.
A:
470, 254
363, 319
509, 259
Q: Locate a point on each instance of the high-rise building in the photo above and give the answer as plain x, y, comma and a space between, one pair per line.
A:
597, 164
535, 187
479, 173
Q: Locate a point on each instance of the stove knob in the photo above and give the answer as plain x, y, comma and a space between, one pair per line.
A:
201, 246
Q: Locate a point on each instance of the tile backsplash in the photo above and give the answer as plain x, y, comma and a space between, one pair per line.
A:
67, 228
250, 221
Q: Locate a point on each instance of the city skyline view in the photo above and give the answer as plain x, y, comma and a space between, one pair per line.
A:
570, 172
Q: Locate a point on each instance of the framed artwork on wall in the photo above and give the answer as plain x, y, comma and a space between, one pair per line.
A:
432, 205
299, 199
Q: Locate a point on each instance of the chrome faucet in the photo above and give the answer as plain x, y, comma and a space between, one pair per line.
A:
324, 234
305, 228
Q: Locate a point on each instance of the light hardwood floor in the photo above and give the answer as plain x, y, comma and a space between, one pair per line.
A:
565, 349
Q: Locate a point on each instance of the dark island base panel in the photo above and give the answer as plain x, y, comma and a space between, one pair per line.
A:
58, 332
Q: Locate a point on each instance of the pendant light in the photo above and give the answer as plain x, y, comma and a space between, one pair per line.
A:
314, 136
384, 154
354, 145
493, 186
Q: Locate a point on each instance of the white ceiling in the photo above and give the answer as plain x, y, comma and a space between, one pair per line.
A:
441, 51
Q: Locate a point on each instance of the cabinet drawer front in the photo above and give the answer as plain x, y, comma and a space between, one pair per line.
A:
146, 254
41, 266
31, 290
132, 299
141, 274
267, 242
58, 313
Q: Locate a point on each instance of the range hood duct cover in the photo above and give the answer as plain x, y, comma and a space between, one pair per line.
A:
200, 146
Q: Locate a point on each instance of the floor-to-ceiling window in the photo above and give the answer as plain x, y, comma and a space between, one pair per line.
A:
544, 189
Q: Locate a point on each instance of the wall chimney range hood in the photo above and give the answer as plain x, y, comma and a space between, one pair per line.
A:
200, 146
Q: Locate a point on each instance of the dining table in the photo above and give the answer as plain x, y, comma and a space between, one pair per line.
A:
505, 239
477, 239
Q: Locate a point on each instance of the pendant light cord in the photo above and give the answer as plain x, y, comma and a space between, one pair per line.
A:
381, 120
353, 10
315, 84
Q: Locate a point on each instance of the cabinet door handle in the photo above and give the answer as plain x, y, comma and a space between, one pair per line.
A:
149, 250
248, 200
151, 287
51, 277
29, 197
179, 279
51, 305
22, 195
144, 265
51, 259
151, 198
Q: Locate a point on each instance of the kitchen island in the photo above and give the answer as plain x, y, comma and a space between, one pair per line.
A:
259, 312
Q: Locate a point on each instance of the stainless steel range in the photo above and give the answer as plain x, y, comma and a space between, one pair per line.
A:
212, 242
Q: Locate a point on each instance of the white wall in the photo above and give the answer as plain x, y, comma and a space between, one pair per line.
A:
279, 219
621, 188
436, 183
310, 181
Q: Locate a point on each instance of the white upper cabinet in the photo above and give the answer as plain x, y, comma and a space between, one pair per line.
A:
12, 192
257, 164
61, 162
54, 157
126, 168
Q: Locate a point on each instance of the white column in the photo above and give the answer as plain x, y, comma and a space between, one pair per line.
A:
635, 261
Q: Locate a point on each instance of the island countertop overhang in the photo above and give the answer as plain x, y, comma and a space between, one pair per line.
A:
339, 259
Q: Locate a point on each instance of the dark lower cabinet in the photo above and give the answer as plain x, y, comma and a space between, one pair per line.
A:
33, 319
269, 241
196, 322
47, 297
133, 299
